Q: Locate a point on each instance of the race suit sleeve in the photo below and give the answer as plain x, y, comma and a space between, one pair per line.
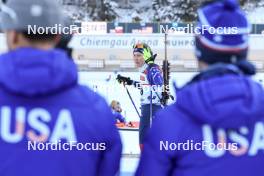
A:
155, 76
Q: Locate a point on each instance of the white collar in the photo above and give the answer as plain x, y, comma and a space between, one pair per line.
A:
143, 68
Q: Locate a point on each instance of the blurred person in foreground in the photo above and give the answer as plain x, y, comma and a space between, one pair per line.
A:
220, 106
49, 124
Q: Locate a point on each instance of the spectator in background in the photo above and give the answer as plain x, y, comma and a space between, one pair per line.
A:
42, 103
117, 110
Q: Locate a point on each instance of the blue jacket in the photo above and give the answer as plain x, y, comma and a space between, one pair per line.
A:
224, 109
118, 117
41, 101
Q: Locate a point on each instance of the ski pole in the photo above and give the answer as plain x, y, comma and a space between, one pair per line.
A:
128, 93
151, 108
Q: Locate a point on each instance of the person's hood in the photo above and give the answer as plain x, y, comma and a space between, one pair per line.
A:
227, 101
33, 72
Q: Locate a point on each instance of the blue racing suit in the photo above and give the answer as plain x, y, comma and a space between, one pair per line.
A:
151, 83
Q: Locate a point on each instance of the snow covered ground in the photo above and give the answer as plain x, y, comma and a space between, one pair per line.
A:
128, 166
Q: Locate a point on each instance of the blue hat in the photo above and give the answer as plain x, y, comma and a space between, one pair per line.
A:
223, 32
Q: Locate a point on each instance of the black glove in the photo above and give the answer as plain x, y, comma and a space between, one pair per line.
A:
124, 80
166, 96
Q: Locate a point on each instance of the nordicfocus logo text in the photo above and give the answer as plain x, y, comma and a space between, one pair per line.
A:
191, 29
56, 29
69, 146
190, 145
217, 142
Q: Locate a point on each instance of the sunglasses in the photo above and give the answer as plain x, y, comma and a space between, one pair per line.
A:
140, 45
